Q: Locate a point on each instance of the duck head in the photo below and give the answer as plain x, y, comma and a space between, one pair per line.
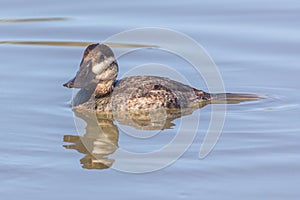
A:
98, 69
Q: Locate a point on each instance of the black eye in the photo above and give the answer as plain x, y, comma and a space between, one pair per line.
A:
101, 58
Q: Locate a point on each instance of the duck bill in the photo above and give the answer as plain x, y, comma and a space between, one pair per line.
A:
70, 83
83, 79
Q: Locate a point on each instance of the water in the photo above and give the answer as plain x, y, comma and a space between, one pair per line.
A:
255, 45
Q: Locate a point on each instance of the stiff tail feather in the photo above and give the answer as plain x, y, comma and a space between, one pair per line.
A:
232, 98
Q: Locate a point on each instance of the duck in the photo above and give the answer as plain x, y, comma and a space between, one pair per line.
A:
99, 89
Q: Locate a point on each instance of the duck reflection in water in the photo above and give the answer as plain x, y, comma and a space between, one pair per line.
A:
99, 141
101, 136
143, 102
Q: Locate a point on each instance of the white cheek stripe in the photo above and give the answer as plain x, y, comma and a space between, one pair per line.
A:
99, 68
105, 76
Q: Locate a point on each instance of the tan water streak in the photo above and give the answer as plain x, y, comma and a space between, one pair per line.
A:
34, 20
72, 43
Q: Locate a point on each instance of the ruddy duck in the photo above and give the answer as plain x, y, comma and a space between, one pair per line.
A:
102, 92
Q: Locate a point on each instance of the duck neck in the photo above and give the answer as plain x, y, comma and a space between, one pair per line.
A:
103, 88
